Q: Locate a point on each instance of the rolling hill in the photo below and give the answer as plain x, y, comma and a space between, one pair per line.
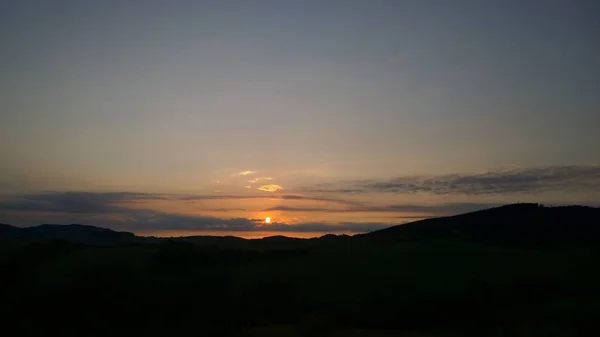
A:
76, 233
516, 225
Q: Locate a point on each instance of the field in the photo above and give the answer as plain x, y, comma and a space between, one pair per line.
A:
323, 287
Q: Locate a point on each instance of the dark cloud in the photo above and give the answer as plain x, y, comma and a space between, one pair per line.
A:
301, 209
270, 197
225, 209
428, 210
88, 203
110, 202
150, 220
101, 209
434, 210
352, 227
516, 181
75, 202
173, 221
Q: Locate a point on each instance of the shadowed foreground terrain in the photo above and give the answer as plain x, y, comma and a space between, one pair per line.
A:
516, 270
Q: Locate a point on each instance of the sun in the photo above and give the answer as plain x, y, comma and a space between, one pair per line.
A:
267, 220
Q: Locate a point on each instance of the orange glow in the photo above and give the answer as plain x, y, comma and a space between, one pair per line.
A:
245, 235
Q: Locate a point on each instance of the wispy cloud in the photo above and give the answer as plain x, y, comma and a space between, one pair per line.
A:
81, 202
244, 173
507, 182
261, 196
270, 188
426, 210
255, 180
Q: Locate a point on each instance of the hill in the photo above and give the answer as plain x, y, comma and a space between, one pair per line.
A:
75, 233
516, 225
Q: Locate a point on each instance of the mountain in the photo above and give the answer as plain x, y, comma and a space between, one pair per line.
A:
517, 225
74, 233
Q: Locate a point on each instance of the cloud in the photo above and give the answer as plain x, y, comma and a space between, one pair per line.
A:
514, 181
262, 196
270, 188
299, 209
352, 227
427, 210
309, 198
169, 221
165, 221
255, 180
437, 210
244, 173
75, 202
110, 210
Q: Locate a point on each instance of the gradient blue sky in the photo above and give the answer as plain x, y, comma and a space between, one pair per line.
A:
364, 113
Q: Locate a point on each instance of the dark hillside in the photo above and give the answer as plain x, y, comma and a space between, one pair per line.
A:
517, 225
75, 233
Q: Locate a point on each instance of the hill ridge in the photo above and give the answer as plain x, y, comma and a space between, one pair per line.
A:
527, 225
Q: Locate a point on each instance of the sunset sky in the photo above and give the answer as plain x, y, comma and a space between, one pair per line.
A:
170, 117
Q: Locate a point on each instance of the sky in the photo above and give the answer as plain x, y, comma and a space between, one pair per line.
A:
326, 116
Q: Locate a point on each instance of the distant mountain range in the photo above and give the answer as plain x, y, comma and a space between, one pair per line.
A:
518, 225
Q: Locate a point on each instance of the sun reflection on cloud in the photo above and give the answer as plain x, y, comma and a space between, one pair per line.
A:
244, 173
270, 188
